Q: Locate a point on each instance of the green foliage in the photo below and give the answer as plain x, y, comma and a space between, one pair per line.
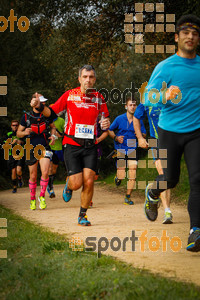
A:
64, 35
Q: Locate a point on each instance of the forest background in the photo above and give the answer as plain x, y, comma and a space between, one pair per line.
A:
65, 35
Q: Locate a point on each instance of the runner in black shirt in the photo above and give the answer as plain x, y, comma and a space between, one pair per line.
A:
35, 126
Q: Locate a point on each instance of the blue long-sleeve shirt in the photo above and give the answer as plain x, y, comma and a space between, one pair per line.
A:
183, 116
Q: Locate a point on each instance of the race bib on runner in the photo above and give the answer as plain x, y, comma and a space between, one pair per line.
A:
84, 131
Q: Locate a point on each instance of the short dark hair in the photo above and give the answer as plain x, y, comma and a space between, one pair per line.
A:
87, 68
187, 19
130, 99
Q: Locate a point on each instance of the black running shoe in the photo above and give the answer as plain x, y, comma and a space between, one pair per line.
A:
151, 206
14, 190
194, 240
117, 181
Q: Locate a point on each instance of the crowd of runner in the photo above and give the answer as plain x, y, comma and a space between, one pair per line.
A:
174, 122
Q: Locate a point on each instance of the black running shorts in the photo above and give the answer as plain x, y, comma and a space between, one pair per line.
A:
77, 158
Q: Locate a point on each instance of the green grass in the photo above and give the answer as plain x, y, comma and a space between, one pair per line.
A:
40, 265
59, 181
179, 194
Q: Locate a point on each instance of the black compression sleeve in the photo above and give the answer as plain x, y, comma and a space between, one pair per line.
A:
53, 115
40, 108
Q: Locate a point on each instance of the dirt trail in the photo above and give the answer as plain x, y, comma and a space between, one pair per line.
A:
110, 218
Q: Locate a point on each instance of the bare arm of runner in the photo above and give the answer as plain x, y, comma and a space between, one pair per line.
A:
53, 136
102, 137
22, 131
141, 140
35, 102
118, 139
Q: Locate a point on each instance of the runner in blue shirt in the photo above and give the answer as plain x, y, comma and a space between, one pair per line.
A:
153, 116
125, 143
178, 80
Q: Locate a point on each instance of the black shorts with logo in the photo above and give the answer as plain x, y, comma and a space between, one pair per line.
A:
77, 158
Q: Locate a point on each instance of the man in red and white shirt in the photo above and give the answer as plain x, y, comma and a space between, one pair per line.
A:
83, 106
